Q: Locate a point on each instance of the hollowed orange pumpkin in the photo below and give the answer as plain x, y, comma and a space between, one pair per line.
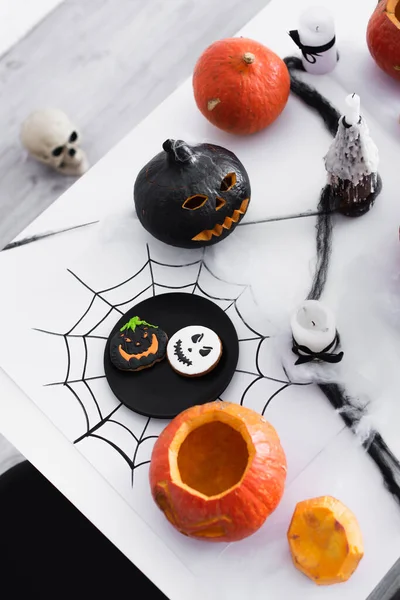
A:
240, 85
217, 471
383, 36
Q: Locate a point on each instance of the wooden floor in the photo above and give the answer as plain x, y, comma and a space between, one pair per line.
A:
107, 63
389, 587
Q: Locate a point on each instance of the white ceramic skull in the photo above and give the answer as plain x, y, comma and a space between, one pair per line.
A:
49, 136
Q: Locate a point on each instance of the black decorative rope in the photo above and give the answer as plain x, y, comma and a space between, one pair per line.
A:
311, 97
324, 243
349, 408
375, 445
327, 204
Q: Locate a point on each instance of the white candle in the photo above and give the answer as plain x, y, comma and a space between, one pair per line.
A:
316, 29
313, 325
352, 113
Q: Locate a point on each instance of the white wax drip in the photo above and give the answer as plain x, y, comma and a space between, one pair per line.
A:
353, 154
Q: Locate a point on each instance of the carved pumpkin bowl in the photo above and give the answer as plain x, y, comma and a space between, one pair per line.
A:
218, 471
159, 391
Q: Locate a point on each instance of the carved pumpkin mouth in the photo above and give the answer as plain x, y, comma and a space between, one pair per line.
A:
207, 234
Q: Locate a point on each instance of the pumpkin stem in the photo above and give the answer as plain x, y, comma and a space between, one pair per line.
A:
249, 58
179, 150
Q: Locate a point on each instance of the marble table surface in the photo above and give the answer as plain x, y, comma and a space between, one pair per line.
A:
274, 261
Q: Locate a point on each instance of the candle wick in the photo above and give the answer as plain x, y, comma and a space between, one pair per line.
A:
317, 28
313, 323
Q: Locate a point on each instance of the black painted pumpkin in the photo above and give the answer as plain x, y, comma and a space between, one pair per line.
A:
137, 345
192, 196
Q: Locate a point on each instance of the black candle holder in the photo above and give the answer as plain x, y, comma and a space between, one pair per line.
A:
354, 200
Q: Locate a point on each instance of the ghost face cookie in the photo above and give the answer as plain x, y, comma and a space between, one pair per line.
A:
194, 351
137, 345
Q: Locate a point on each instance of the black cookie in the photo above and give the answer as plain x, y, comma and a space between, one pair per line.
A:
137, 345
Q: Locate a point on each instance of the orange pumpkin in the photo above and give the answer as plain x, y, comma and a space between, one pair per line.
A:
325, 540
217, 471
383, 36
240, 85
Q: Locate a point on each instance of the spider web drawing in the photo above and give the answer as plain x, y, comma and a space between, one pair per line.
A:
131, 435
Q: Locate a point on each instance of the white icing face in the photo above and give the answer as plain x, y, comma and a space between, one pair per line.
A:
194, 350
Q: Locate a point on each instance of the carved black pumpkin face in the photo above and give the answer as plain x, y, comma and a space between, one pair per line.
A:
192, 196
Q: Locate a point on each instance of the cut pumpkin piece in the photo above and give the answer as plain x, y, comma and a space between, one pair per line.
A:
325, 540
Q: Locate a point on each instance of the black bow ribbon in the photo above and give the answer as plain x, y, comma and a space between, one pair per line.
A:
310, 53
308, 356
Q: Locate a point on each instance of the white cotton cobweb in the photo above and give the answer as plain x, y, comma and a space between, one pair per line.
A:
368, 312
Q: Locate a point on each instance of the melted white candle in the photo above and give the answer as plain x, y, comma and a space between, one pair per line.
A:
313, 325
316, 28
352, 154
352, 112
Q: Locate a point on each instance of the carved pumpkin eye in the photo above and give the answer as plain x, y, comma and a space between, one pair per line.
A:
220, 202
228, 182
195, 202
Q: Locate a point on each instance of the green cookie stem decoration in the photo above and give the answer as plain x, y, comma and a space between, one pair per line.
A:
132, 324
137, 345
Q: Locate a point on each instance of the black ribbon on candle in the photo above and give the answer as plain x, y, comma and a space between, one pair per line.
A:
310, 53
345, 123
326, 355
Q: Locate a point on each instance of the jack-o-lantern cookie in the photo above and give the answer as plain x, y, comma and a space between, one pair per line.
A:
194, 351
137, 345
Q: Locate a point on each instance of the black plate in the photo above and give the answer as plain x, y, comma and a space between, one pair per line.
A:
159, 391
